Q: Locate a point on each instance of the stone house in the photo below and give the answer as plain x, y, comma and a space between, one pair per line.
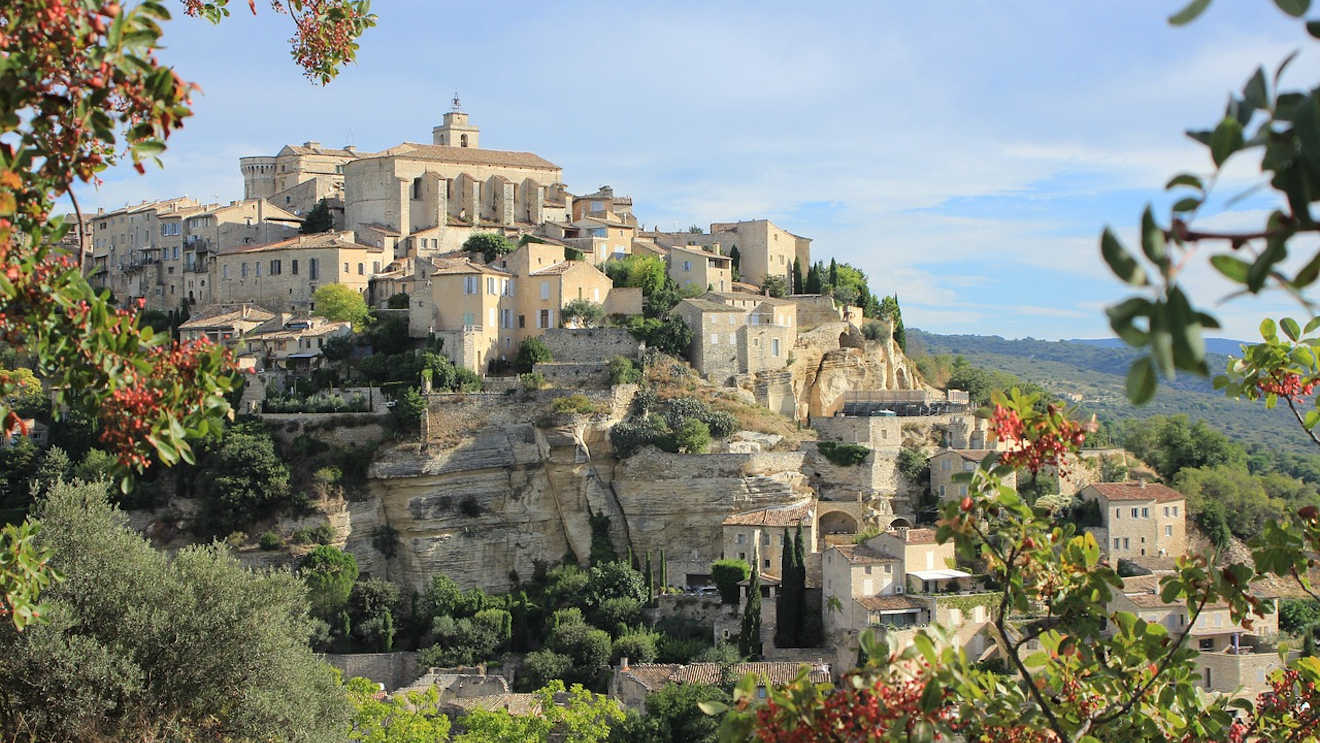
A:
286, 274
1138, 519
298, 176
948, 462
603, 204
212, 230
544, 282
764, 249
470, 306
737, 337
125, 254
761, 532
294, 345
698, 268
599, 239
629, 684
225, 324
1233, 659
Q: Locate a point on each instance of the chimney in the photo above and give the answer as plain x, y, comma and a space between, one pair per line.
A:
623, 663
311, 143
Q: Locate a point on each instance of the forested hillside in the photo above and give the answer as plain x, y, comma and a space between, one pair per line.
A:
1096, 372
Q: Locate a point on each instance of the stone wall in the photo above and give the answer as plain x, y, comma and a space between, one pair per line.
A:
590, 345
624, 300
338, 429
394, 670
814, 310
572, 375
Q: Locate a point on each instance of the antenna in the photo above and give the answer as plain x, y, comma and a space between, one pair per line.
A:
457, 105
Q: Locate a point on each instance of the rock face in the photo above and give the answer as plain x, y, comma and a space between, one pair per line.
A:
834, 358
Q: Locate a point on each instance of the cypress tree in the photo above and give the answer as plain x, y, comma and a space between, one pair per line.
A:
813, 279
735, 258
834, 273
749, 636
797, 276
664, 572
650, 580
804, 627
787, 627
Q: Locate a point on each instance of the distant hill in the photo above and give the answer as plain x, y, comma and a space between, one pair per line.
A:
1096, 369
1222, 346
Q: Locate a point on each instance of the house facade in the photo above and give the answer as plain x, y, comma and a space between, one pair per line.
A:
284, 275
1138, 519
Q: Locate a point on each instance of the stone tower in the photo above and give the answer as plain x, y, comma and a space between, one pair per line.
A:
456, 131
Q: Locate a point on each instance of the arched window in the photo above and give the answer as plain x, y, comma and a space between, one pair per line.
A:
462, 139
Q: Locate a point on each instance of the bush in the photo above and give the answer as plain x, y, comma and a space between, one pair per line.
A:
680, 408
618, 610
589, 649
386, 540
727, 574
540, 667
242, 478
531, 352
577, 403
843, 455
720, 423
628, 437
532, 381
668, 334
271, 541
637, 647
323, 534
875, 330
329, 574
1298, 614
624, 371
340, 303
692, 436
409, 409
398, 301
775, 286
582, 312
489, 244
611, 580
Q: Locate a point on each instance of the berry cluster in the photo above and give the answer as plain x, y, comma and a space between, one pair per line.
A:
1037, 441
1289, 385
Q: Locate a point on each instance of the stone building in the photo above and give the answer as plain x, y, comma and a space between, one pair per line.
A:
285, 274
468, 305
766, 527
603, 204
698, 268
294, 345
210, 230
949, 462
545, 281
447, 190
1138, 519
225, 324
764, 248
1234, 659
737, 334
297, 176
125, 258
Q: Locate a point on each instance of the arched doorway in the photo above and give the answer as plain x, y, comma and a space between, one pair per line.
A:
900, 524
837, 522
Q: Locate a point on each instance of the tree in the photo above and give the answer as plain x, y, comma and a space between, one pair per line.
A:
834, 274
412, 717
775, 286
813, 284
615, 579
727, 574
371, 607
489, 244
141, 645
573, 715
749, 636
339, 303
398, 301
531, 352
329, 574
588, 649
582, 313
245, 479
889, 310
735, 258
318, 219
797, 276
674, 715
691, 436
669, 335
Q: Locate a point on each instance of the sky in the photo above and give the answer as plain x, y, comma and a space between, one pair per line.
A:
965, 155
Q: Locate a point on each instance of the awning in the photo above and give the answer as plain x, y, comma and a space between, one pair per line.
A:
945, 574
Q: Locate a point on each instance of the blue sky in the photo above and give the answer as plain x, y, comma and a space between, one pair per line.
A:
963, 154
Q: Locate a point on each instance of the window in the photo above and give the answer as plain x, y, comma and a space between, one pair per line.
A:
1175, 510
765, 538
506, 319
1166, 511
774, 346
293, 266
595, 294
345, 267
714, 339
469, 319
946, 465
739, 538
470, 285
545, 290
1145, 513
224, 271
767, 562
543, 319
1127, 545
275, 268
522, 321
375, 266
362, 270
1168, 530
311, 269
242, 271
1134, 513
687, 266
257, 266
1118, 513
490, 284
868, 569
1115, 542
417, 188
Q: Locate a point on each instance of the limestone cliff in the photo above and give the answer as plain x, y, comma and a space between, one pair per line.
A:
835, 358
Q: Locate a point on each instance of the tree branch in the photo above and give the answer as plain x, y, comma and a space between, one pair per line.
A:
1159, 670
1300, 421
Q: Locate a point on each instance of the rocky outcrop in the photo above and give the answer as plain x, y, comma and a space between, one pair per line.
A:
834, 358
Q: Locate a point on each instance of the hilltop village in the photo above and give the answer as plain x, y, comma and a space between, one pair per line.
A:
539, 386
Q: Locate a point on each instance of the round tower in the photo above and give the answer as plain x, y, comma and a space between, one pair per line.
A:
258, 176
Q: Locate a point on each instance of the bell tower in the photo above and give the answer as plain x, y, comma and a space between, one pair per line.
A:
456, 131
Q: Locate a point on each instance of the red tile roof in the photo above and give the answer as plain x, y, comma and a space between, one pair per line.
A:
920, 536
860, 554
892, 602
1134, 491
780, 516
469, 156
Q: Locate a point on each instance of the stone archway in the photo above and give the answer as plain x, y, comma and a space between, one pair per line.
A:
838, 522
900, 523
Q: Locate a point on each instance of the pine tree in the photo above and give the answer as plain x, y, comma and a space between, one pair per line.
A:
797, 276
318, 219
787, 620
749, 636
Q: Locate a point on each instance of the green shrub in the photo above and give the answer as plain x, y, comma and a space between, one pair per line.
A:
876, 330
618, 610
692, 436
531, 352
532, 381
329, 475
681, 408
397, 301
271, 541
409, 409
329, 574
637, 647
577, 403
541, 667
844, 455
720, 423
727, 574
236, 539
628, 437
323, 534
624, 371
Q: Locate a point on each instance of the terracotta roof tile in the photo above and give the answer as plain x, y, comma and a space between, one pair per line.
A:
860, 554
556, 268
706, 305
920, 536
303, 242
451, 266
1135, 491
780, 516
892, 602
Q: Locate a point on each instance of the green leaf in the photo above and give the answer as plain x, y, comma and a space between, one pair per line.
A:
1255, 93
1313, 28
1189, 13
1120, 261
1308, 274
1232, 267
1184, 179
1294, 8
1152, 239
1312, 324
1290, 328
1226, 140
1278, 71
1312, 418
1141, 380
712, 708
1186, 205
1268, 330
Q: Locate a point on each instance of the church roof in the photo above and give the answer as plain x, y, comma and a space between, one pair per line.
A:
469, 156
